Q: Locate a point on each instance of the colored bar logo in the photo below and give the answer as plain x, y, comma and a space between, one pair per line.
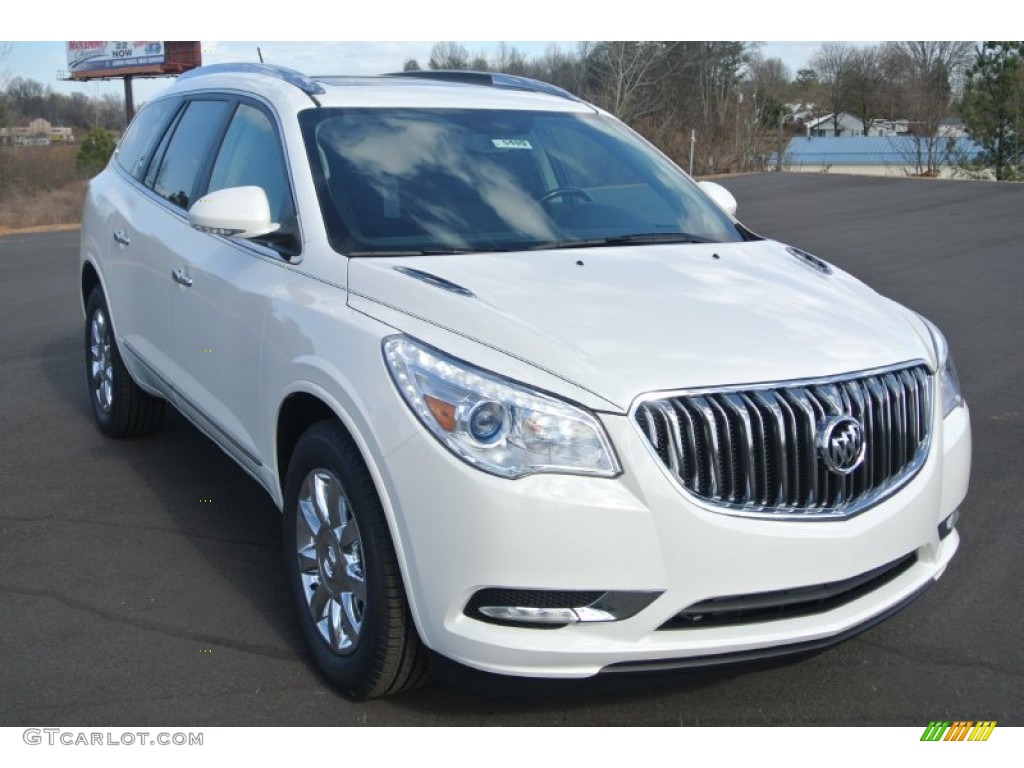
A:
960, 730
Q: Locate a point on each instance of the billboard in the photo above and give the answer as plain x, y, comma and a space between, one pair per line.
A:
110, 56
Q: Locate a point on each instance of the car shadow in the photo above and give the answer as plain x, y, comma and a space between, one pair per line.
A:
238, 533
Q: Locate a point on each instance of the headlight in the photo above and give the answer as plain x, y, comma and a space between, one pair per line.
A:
949, 384
949, 380
497, 425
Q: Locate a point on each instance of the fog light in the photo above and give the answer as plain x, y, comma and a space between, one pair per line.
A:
946, 526
551, 609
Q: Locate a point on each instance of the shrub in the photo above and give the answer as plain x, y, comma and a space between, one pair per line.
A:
96, 149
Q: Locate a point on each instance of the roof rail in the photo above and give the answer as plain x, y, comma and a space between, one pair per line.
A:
292, 76
494, 79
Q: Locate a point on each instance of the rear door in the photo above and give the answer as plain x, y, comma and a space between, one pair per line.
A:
150, 235
137, 292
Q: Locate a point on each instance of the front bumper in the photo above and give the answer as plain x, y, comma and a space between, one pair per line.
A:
459, 530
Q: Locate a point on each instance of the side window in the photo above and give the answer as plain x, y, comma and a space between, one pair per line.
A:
183, 160
157, 155
251, 156
135, 148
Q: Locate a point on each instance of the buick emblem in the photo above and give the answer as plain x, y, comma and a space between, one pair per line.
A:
841, 444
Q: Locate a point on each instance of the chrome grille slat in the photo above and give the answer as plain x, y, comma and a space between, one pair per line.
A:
775, 495
712, 452
755, 451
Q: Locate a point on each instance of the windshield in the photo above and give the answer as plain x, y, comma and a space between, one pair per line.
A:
411, 181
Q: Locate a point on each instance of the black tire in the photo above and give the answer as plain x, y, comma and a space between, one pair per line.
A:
364, 640
120, 406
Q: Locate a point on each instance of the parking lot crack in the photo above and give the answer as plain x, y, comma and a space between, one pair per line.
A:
149, 625
121, 525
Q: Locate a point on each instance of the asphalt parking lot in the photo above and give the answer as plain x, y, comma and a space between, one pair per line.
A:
141, 583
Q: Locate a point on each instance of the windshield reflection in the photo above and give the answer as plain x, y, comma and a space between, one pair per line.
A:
408, 181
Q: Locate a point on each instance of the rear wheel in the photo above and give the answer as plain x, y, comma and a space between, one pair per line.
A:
120, 406
343, 571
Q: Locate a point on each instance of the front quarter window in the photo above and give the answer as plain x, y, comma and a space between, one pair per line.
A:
251, 155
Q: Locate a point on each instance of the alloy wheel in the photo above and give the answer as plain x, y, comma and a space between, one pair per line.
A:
330, 556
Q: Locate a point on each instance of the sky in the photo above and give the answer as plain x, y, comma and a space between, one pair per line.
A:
414, 26
42, 61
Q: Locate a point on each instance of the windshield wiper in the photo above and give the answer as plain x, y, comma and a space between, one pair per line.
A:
645, 238
439, 250
657, 237
415, 252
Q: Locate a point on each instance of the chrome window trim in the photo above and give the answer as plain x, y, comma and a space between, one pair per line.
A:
761, 512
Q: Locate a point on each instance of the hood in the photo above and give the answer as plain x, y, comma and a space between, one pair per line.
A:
628, 320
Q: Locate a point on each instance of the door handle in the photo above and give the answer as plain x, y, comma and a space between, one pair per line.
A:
121, 238
181, 277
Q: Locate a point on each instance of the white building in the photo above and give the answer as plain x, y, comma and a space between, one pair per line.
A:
831, 125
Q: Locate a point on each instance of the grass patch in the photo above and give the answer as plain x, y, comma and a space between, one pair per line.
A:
40, 187
61, 206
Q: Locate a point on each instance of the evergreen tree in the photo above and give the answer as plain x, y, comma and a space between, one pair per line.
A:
992, 106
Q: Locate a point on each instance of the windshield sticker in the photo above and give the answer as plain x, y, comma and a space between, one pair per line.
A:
511, 143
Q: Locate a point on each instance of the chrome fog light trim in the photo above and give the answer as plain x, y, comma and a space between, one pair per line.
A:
546, 612
524, 615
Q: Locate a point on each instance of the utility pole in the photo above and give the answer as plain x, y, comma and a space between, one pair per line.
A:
781, 148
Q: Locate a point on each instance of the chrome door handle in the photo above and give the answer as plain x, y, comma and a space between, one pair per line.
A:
121, 238
182, 278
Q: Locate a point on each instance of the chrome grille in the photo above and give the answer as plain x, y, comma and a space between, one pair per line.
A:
758, 451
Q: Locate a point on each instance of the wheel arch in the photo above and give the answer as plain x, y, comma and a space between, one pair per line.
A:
90, 279
298, 412
308, 404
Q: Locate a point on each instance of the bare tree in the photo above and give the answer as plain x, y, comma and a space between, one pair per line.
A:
699, 92
928, 74
762, 110
871, 76
448, 55
561, 68
510, 60
623, 75
833, 64
5, 51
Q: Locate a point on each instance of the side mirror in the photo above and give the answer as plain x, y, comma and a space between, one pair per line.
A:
721, 196
234, 212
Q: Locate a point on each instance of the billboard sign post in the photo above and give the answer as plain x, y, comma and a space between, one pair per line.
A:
126, 59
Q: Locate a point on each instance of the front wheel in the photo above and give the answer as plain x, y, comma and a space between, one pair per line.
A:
343, 571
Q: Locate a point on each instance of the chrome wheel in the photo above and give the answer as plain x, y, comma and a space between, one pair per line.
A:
330, 557
342, 569
101, 367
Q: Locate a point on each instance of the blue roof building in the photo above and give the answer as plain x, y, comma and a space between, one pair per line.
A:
877, 155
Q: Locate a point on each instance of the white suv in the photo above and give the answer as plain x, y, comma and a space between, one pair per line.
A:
527, 395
